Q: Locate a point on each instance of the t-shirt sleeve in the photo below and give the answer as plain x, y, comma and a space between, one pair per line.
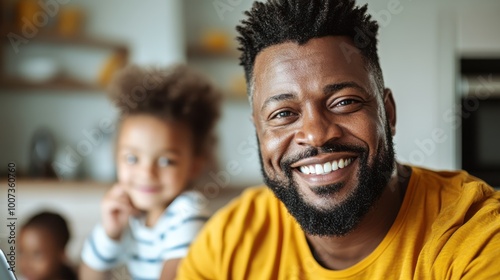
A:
485, 265
466, 240
101, 252
189, 215
482, 247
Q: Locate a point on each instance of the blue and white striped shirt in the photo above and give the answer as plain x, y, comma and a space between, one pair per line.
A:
145, 249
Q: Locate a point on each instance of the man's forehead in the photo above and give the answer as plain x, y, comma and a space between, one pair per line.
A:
277, 62
275, 57
335, 43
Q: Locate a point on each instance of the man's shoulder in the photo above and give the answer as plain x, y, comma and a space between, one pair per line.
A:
463, 211
456, 197
451, 181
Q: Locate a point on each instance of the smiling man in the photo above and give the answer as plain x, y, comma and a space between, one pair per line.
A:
337, 204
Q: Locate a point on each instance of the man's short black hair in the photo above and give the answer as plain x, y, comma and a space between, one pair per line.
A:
280, 21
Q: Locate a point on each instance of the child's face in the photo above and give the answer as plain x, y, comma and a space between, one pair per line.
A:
155, 160
39, 256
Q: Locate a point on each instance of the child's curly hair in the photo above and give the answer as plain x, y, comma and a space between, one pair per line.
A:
176, 93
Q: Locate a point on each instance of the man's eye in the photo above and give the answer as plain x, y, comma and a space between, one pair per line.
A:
131, 159
282, 114
163, 162
346, 106
346, 102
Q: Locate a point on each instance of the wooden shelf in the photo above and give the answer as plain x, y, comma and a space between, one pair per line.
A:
53, 84
53, 37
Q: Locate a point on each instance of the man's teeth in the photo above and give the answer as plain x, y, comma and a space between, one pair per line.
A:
326, 167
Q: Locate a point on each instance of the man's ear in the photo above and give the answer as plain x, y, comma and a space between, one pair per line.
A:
390, 110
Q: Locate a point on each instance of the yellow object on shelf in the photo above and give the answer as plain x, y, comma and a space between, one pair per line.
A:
113, 64
26, 12
70, 21
215, 41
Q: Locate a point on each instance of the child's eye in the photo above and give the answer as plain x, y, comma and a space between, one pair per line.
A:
131, 159
163, 162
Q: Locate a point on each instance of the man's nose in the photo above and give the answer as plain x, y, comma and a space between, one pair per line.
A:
317, 127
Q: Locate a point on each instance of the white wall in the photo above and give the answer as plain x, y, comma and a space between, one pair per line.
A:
153, 28
478, 28
409, 55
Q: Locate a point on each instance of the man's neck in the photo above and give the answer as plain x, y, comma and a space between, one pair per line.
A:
339, 253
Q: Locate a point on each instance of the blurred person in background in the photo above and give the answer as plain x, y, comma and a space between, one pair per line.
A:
42, 248
152, 214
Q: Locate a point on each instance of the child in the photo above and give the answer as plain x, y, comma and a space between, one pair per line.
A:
42, 248
150, 217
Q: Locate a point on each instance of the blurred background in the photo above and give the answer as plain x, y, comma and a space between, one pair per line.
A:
440, 58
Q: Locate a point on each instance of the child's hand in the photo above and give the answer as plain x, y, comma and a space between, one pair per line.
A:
116, 208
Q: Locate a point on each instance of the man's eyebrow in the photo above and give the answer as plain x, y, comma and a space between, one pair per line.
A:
327, 90
333, 88
278, 97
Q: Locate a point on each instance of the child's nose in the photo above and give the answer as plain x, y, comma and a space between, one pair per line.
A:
147, 170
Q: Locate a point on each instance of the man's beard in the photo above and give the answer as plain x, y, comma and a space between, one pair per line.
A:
340, 219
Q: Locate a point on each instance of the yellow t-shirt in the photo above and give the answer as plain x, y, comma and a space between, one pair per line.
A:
448, 227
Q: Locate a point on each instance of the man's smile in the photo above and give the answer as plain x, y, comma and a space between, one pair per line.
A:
324, 169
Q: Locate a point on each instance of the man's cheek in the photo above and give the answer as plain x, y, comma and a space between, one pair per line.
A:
273, 144
274, 147
278, 140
